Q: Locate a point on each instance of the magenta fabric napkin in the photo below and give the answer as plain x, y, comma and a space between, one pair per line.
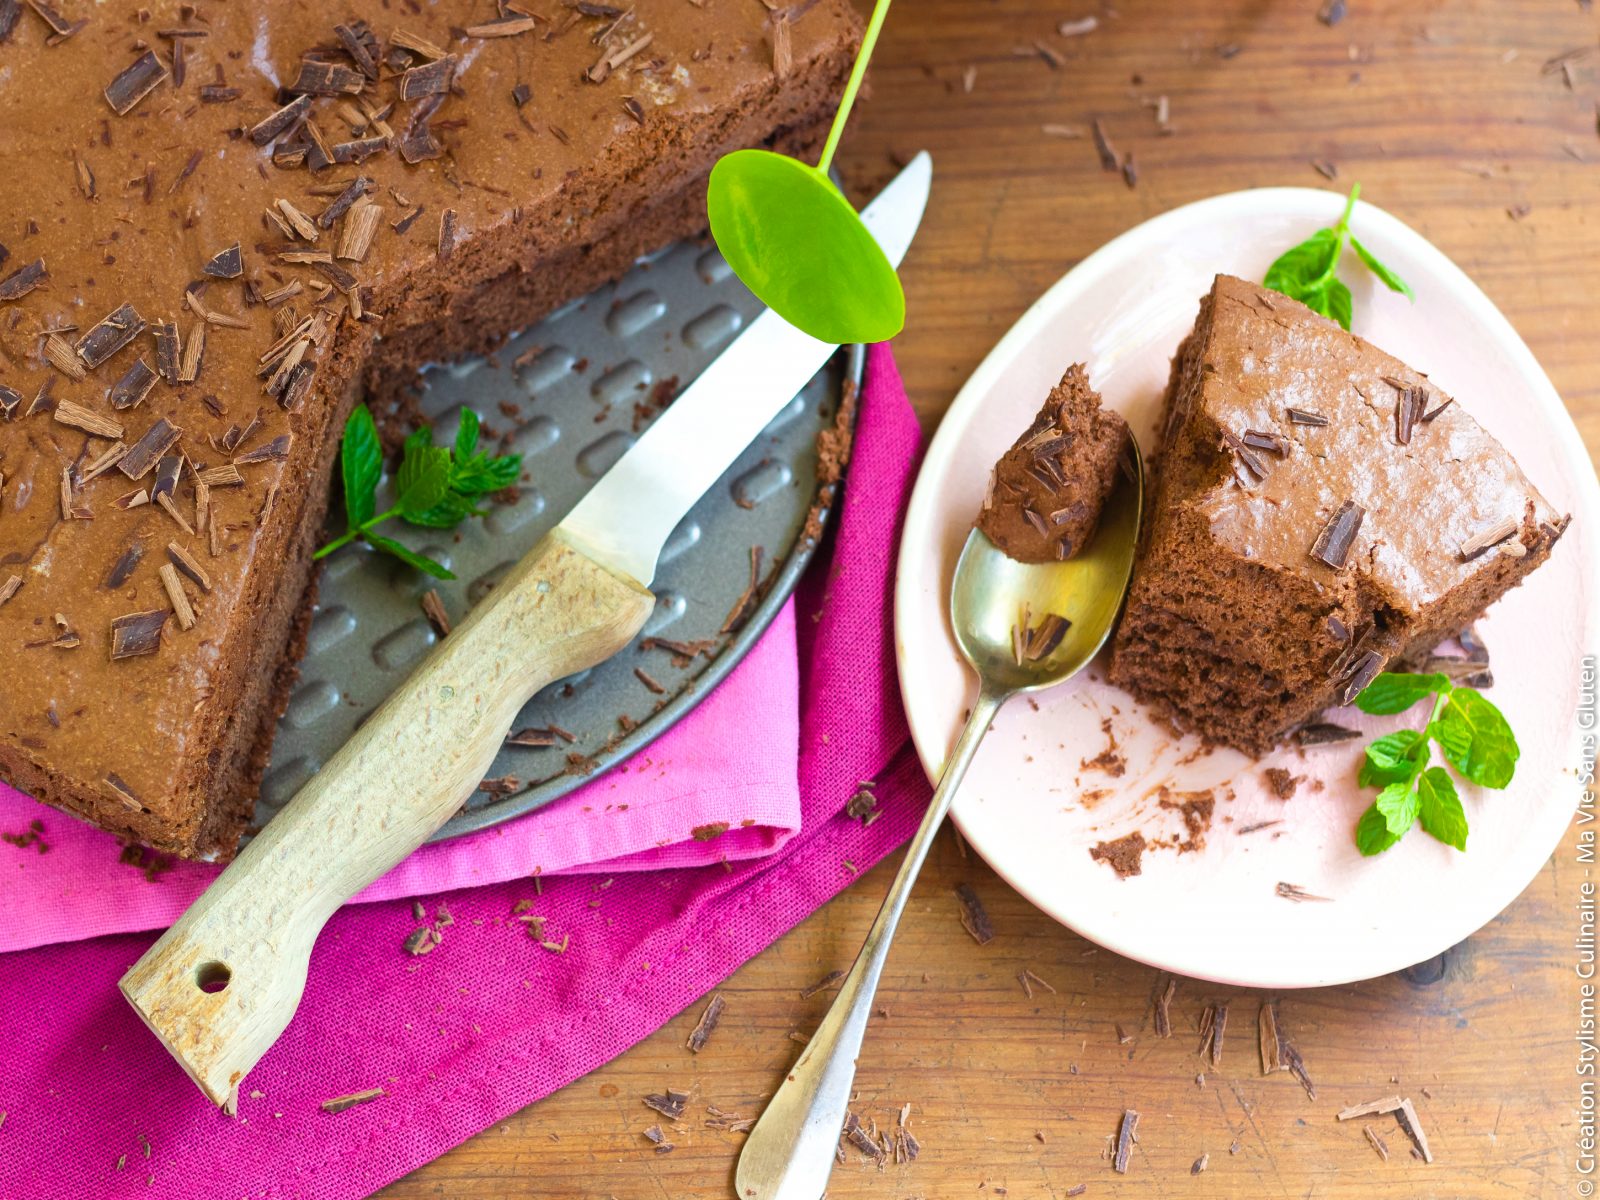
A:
489, 1021
710, 770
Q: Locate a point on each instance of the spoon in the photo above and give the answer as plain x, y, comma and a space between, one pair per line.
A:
994, 604
795, 241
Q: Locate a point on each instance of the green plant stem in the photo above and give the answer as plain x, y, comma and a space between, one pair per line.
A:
1342, 230
857, 74
350, 535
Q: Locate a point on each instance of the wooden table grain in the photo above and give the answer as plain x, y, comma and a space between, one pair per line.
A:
1459, 117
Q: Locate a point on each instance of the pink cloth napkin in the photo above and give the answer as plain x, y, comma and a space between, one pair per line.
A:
489, 1021
710, 769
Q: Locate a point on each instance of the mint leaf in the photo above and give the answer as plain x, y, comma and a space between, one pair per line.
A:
407, 555
1299, 270
1389, 279
448, 513
1398, 803
482, 475
1439, 808
361, 465
1396, 691
1372, 833
1338, 304
1390, 759
1479, 742
423, 479
466, 435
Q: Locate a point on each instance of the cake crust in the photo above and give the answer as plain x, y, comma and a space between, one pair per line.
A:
1320, 510
192, 188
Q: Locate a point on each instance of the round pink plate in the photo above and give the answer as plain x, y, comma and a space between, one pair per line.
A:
1040, 794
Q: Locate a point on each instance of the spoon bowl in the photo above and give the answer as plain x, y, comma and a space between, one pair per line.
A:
992, 593
994, 603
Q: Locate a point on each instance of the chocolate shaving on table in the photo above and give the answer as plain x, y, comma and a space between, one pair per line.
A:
1301, 416
974, 918
670, 1104
1127, 1137
144, 453
135, 384
658, 1139
226, 264
1163, 1009
285, 119
1338, 535
137, 633
23, 280
1376, 1142
123, 567
1102, 144
707, 1024
1486, 538
135, 82
111, 334
1218, 1029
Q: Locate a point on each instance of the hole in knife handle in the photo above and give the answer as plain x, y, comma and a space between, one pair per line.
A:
212, 976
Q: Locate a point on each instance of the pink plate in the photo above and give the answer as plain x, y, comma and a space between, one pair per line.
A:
1034, 802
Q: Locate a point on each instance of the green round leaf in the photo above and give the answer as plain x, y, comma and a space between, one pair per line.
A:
1439, 808
1396, 691
798, 245
360, 465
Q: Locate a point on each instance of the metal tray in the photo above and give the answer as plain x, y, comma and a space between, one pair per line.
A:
570, 395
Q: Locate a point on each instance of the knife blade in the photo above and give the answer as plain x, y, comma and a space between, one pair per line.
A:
690, 445
220, 986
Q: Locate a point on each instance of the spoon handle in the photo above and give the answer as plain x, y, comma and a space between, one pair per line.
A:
790, 1151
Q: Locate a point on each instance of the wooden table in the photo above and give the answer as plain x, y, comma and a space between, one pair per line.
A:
1450, 118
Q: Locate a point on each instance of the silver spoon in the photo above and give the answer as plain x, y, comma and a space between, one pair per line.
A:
994, 603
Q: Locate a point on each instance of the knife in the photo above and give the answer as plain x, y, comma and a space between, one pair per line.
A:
220, 986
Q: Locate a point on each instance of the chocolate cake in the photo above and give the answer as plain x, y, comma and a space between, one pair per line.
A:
215, 220
1320, 511
1046, 492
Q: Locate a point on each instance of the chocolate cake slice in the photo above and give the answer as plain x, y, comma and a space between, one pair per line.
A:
1047, 491
215, 220
1320, 511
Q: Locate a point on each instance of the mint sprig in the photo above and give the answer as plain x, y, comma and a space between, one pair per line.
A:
435, 487
1470, 732
1307, 272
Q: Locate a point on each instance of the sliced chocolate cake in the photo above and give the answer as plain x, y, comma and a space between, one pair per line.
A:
1047, 491
215, 219
1320, 511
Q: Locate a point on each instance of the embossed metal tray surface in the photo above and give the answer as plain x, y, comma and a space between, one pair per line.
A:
570, 395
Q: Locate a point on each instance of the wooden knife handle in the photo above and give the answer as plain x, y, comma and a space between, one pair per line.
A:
222, 983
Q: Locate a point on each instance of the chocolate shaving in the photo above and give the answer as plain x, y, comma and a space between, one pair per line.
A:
707, 1024
227, 264
274, 451
124, 567
669, 1104
1363, 671
531, 737
433, 608
1300, 416
178, 597
1431, 414
9, 588
1127, 1136
1338, 535
1163, 1009
1247, 457
429, 79
361, 45
1486, 538
134, 386
830, 980
144, 453
218, 93
447, 234
22, 281
10, 11
341, 203
327, 79
137, 633
112, 333
60, 27
974, 918
60, 355
135, 82
745, 604
1102, 144
1408, 406
10, 399
286, 118
189, 565
340, 1103
504, 27
86, 419
1293, 891
1258, 440
167, 350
